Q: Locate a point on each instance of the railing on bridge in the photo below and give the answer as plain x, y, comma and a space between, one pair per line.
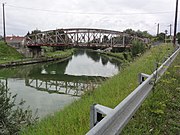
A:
116, 119
80, 37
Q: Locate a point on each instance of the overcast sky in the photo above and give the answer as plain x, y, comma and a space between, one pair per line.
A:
26, 15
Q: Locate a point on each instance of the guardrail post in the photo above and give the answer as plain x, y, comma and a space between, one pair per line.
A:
142, 77
92, 116
97, 113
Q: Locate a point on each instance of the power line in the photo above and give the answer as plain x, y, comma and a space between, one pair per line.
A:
87, 13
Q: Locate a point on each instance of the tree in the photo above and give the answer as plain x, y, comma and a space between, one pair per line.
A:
138, 33
35, 31
138, 47
161, 37
28, 33
12, 117
130, 32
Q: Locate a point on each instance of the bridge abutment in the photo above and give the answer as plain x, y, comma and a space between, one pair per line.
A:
35, 51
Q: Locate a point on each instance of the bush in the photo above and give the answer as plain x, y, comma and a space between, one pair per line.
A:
12, 116
138, 47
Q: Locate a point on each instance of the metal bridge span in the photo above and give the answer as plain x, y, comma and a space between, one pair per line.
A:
81, 37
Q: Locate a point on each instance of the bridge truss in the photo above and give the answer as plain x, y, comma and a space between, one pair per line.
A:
80, 37
75, 88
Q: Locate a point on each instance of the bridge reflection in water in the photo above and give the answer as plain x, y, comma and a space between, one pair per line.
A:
61, 87
51, 86
55, 77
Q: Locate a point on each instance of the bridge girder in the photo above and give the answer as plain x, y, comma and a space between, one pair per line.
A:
80, 37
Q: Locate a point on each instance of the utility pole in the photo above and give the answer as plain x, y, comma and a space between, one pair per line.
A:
4, 23
175, 23
165, 36
170, 29
170, 32
157, 29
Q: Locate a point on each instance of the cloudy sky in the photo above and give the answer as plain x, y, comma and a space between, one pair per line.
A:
26, 15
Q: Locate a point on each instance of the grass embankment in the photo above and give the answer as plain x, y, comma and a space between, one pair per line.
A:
74, 119
160, 113
59, 54
122, 57
8, 54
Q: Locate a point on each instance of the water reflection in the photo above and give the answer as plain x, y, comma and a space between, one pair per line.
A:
61, 87
51, 86
91, 63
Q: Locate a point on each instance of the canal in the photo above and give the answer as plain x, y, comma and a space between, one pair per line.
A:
48, 87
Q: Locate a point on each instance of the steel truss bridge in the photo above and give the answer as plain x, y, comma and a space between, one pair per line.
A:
81, 37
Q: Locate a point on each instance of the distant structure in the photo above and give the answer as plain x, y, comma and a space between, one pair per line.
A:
18, 42
1, 38
15, 41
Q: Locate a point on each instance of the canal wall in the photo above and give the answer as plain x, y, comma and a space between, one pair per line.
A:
32, 61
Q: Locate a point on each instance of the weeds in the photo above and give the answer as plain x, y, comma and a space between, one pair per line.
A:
159, 114
13, 117
74, 119
8, 53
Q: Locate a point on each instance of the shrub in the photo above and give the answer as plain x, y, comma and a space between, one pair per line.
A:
12, 116
138, 47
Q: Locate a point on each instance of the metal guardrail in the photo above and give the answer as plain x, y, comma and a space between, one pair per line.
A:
107, 121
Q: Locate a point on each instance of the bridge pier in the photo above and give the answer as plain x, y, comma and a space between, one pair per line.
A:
35, 51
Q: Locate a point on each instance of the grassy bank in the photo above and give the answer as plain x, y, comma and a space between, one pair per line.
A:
11, 57
74, 119
8, 53
121, 57
59, 54
160, 113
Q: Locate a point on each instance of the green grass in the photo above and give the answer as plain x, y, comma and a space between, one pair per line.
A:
59, 54
160, 113
74, 119
8, 53
121, 57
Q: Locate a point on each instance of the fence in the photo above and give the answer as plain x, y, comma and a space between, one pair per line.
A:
107, 121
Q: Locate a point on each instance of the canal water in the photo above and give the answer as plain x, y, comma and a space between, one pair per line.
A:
49, 87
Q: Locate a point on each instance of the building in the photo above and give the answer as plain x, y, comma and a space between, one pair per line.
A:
18, 43
15, 41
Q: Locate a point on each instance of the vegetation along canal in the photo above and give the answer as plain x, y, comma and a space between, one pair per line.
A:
48, 87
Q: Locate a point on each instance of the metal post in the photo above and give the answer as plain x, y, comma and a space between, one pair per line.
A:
142, 77
111, 41
97, 113
92, 116
165, 36
77, 38
88, 38
170, 29
123, 40
157, 29
175, 23
4, 26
